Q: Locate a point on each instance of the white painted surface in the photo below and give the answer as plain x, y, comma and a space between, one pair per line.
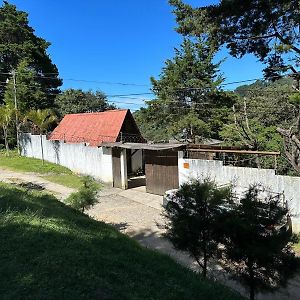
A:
79, 158
242, 178
123, 159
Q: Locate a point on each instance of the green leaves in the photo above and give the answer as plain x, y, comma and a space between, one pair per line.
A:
77, 101
42, 119
19, 43
86, 195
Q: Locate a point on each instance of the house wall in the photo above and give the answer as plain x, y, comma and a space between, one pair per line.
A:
137, 160
242, 178
79, 158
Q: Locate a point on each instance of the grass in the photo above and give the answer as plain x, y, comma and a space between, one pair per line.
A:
52, 172
54, 252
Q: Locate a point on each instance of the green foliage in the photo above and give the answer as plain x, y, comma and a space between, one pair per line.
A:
267, 29
187, 90
86, 195
41, 119
77, 101
6, 115
194, 219
258, 241
262, 107
18, 43
101, 262
29, 92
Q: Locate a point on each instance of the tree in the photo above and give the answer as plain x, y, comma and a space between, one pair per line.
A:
17, 43
41, 119
77, 101
193, 219
258, 239
29, 92
86, 195
6, 114
266, 28
189, 85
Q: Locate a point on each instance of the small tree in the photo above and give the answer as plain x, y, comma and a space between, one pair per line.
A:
6, 114
193, 219
86, 195
41, 119
258, 239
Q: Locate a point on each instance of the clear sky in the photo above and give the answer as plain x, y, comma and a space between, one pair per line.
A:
117, 41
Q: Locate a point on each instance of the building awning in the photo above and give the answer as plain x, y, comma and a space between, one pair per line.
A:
144, 146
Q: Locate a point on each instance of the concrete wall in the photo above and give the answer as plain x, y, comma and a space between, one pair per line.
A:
137, 160
79, 158
242, 178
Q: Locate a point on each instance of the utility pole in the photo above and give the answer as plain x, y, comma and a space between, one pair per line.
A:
16, 107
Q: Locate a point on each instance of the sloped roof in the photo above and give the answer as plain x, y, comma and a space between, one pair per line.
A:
91, 128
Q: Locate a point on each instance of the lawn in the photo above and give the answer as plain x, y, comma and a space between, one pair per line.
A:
50, 251
52, 172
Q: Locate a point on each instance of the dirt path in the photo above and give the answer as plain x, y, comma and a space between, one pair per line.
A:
9, 176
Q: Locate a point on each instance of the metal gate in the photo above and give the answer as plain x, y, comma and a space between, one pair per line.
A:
161, 169
116, 165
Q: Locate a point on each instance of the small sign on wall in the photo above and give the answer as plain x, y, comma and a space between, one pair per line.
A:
186, 165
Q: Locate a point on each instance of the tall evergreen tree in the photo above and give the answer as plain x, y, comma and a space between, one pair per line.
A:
188, 92
18, 42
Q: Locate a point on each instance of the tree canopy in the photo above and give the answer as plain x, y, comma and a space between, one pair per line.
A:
266, 28
188, 96
73, 101
18, 43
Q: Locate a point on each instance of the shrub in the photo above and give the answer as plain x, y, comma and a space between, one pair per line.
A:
86, 195
194, 219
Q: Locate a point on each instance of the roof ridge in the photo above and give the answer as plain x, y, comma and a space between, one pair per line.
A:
98, 113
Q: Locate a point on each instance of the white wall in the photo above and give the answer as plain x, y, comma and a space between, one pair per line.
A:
242, 178
79, 158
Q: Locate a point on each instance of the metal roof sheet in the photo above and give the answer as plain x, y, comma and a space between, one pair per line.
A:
144, 146
90, 128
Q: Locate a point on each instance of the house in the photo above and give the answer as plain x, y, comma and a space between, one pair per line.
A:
96, 128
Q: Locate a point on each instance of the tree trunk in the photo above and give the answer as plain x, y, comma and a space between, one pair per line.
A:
6, 140
204, 262
41, 137
251, 285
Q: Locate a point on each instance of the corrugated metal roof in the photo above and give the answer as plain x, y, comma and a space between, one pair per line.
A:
144, 146
91, 128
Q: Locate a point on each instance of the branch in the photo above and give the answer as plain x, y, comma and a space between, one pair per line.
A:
284, 40
257, 37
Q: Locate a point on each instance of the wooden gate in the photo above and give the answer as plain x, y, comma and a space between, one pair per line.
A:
161, 169
116, 165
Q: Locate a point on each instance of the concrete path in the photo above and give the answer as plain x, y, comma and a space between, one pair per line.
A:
60, 191
139, 215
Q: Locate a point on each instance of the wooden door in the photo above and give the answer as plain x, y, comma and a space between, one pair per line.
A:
116, 165
161, 169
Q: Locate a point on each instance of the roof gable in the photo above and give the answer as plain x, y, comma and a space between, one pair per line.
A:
91, 128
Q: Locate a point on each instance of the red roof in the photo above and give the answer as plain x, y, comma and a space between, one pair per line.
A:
91, 128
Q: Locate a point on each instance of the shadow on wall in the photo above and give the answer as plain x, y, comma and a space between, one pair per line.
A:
56, 147
24, 140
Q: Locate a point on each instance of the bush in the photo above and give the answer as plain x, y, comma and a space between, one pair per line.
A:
194, 218
86, 195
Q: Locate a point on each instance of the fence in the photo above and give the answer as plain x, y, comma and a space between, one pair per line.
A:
79, 158
242, 178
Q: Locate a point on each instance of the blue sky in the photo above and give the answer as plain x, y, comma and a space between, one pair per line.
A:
116, 41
